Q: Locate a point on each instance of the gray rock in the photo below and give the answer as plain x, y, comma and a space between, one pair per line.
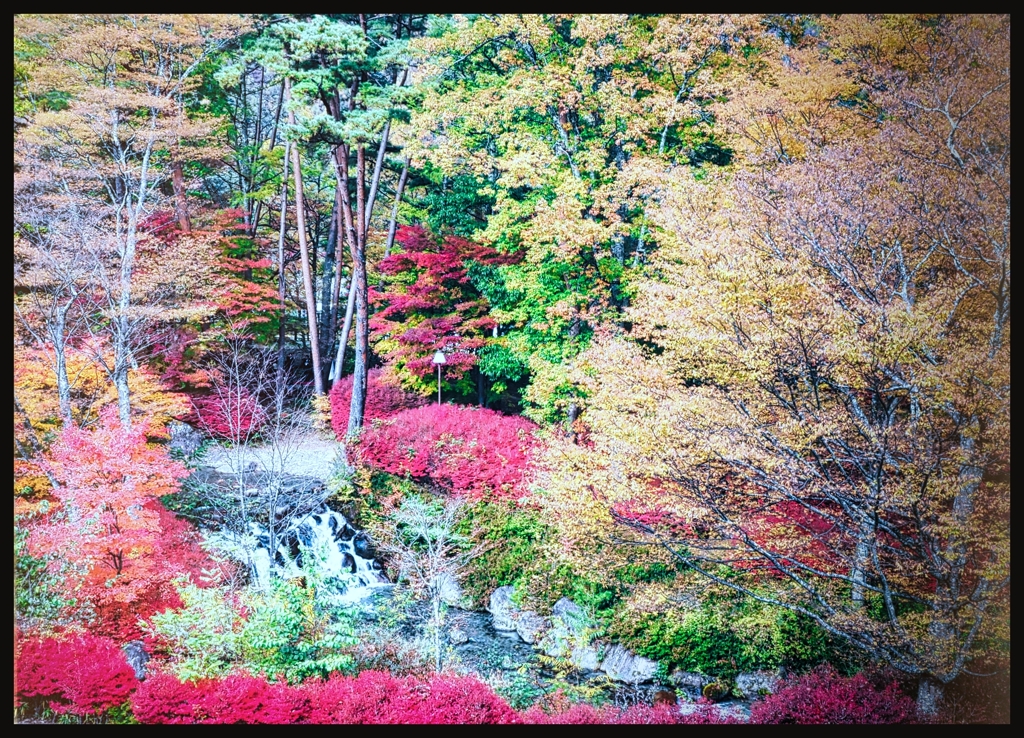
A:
503, 612
585, 658
363, 547
623, 665
184, 438
457, 636
449, 589
571, 615
569, 636
754, 684
530, 626
689, 682
136, 655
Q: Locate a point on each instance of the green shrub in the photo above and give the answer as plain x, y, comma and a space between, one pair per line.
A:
722, 637
40, 597
512, 536
290, 632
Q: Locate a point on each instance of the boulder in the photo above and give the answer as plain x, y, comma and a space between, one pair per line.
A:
569, 636
503, 612
585, 658
457, 636
185, 439
753, 684
623, 665
135, 654
362, 546
571, 615
689, 682
530, 626
449, 590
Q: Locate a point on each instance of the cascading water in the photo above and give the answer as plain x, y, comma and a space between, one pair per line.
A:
323, 539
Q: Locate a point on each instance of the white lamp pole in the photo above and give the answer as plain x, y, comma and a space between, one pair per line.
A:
439, 360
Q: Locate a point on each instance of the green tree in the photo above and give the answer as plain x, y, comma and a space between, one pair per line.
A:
564, 123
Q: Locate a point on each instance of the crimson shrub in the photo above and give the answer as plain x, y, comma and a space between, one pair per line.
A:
469, 451
825, 697
81, 675
384, 398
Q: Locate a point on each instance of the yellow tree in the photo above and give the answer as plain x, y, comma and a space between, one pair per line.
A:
816, 389
112, 133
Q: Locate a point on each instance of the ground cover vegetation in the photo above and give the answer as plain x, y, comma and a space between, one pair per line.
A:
701, 322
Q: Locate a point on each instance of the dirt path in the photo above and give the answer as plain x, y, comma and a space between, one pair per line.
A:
308, 456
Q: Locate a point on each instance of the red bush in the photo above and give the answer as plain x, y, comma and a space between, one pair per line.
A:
234, 414
364, 699
469, 451
464, 700
824, 697
247, 699
384, 398
82, 675
376, 697
373, 697
235, 699
162, 699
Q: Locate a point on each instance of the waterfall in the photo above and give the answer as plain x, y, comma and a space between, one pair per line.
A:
323, 539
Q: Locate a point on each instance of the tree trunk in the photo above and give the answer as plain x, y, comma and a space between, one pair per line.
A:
336, 293
362, 314
339, 362
279, 390
307, 277
124, 404
861, 556
393, 223
180, 203
377, 169
929, 695
328, 306
436, 603
61, 367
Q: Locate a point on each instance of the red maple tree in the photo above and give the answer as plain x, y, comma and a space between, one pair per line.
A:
439, 310
106, 477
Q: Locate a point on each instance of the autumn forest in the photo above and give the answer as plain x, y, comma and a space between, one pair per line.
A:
511, 368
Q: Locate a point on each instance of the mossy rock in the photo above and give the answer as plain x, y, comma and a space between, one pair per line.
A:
715, 691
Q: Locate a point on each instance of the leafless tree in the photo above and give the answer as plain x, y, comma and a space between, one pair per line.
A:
431, 554
260, 443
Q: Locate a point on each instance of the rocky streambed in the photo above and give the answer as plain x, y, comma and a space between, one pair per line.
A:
520, 652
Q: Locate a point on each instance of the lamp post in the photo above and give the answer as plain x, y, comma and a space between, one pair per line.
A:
439, 360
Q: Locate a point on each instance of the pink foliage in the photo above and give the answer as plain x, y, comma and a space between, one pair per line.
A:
384, 398
108, 477
234, 414
825, 697
376, 697
441, 310
247, 699
162, 699
373, 697
469, 451
82, 675
464, 700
